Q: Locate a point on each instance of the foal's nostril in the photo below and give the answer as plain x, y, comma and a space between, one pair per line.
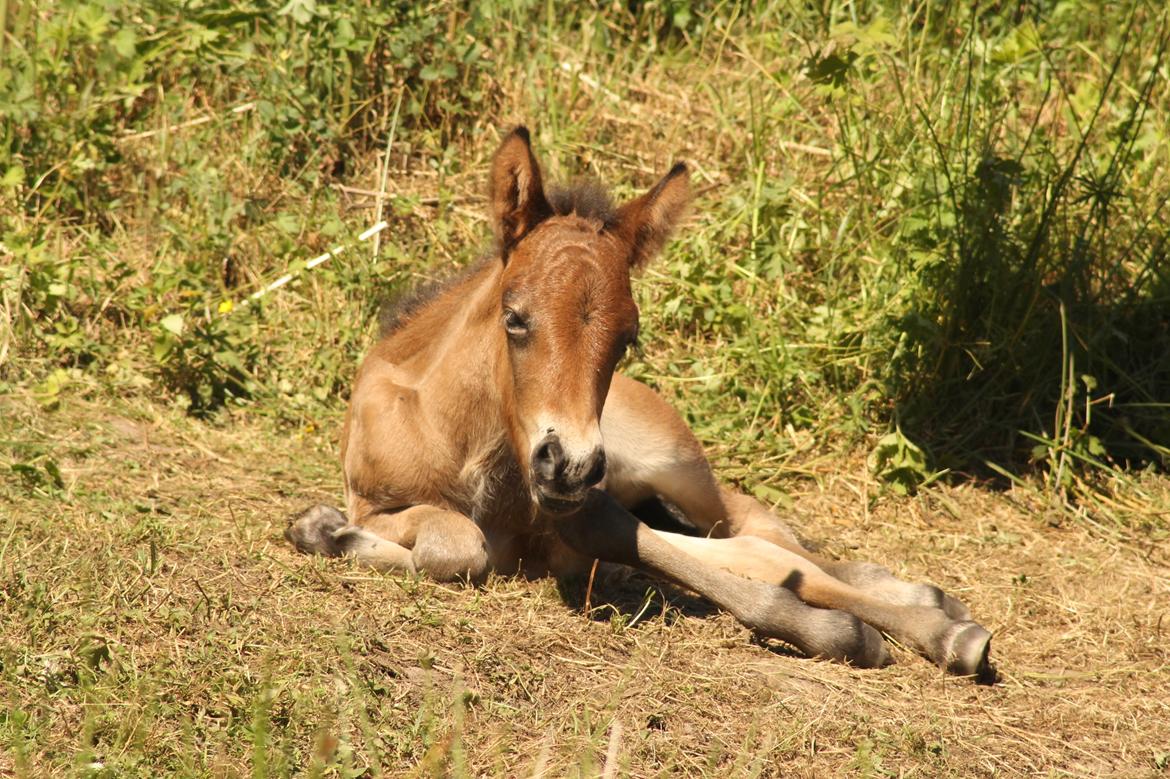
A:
596, 469
548, 461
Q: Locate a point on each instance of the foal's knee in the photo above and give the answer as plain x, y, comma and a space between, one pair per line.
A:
451, 557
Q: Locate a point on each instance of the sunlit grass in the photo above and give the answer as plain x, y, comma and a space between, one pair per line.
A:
928, 245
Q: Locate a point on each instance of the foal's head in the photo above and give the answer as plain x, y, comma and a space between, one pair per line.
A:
567, 314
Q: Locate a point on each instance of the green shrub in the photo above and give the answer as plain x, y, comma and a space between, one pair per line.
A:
943, 221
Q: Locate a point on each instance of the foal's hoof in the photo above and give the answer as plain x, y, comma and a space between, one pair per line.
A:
934, 597
954, 608
312, 531
857, 643
872, 651
843, 638
969, 652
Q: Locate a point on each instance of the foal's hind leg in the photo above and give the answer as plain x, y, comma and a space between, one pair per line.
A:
443, 544
748, 517
605, 530
960, 646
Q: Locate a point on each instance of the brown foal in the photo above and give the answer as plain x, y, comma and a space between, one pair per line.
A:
488, 431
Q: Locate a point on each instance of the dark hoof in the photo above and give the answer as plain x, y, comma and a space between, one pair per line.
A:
864, 646
934, 597
969, 653
954, 609
312, 531
833, 635
873, 652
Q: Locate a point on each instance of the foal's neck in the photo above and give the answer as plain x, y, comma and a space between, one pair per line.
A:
470, 371
461, 359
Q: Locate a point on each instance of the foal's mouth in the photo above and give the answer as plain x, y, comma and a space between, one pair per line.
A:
559, 504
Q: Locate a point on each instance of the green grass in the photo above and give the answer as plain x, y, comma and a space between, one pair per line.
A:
929, 247
948, 220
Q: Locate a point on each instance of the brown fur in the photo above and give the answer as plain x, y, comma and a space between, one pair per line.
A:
488, 431
585, 198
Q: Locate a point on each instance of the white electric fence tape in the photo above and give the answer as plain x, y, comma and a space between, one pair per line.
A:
227, 306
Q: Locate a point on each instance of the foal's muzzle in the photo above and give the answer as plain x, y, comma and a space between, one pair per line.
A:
561, 482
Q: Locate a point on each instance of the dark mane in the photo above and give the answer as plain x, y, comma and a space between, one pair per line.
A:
394, 312
584, 198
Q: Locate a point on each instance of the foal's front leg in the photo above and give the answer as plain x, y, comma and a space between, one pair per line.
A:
653, 453
603, 529
959, 646
444, 544
746, 516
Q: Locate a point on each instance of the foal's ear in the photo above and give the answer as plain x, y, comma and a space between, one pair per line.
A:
517, 196
646, 222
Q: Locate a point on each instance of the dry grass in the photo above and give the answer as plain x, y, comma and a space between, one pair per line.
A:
155, 622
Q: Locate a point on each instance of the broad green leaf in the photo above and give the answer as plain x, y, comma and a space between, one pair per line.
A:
173, 324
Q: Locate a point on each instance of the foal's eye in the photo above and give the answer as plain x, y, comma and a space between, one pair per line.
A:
514, 323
